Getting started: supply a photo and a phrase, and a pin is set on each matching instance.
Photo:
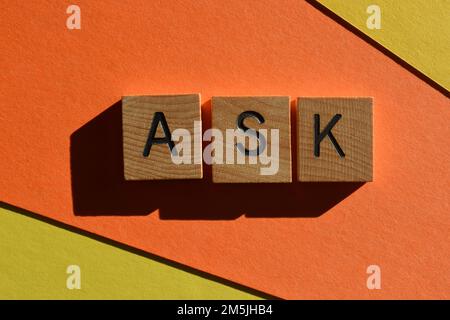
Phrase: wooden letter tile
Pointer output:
(334, 139)
(149, 123)
(262, 162)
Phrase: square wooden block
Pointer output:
(334, 139)
(148, 153)
(262, 162)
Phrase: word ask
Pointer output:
(250, 138)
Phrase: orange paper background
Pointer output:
(294, 240)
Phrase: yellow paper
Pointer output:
(416, 31)
(34, 257)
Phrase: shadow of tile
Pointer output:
(99, 188)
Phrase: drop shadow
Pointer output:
(99, 188)
(378, 46)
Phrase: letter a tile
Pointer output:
(162, 137)
(334, 139)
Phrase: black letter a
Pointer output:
(158, 117)
(318, 136)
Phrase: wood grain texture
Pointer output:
(137, 114)
(276, 112)
(353, 133)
